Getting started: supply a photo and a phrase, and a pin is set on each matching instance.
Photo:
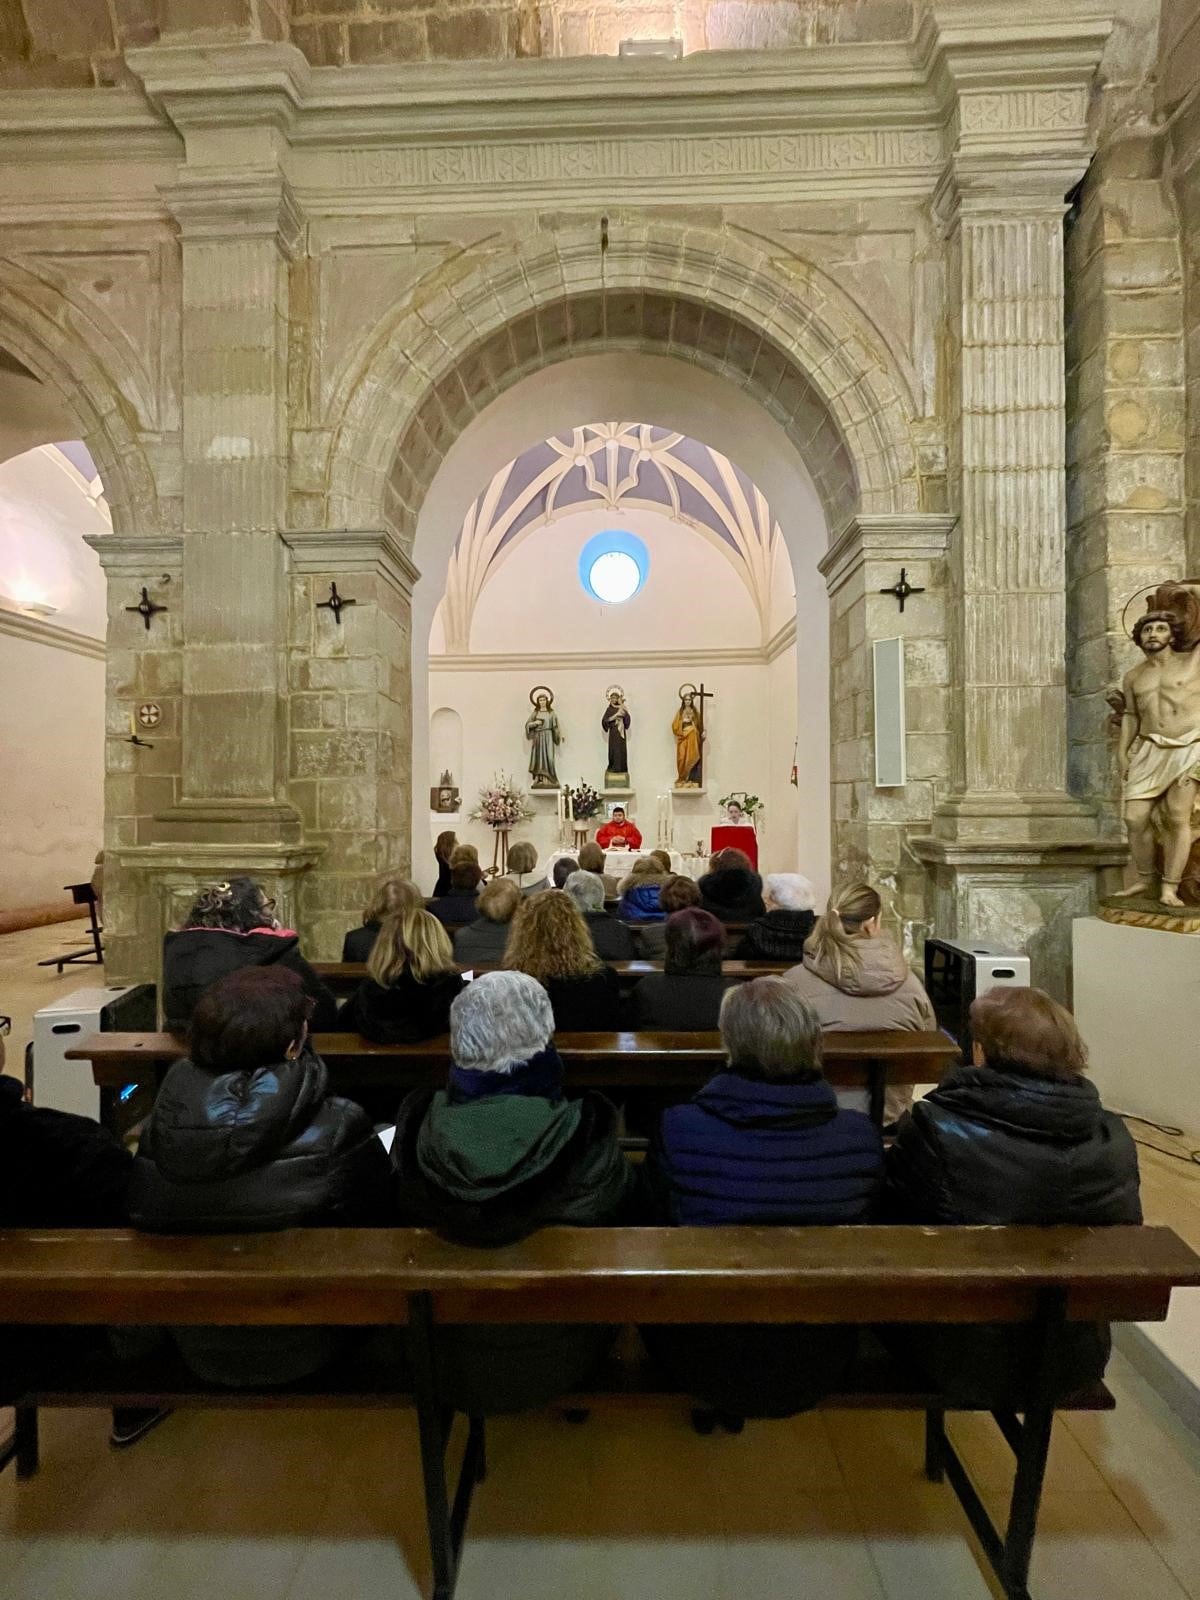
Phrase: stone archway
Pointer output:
(775, 333)
(777, 327)
(68, 347)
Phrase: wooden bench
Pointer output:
(343, 976)
(1043, 1277)
(617, 1063)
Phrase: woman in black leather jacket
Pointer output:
(244, 1137)
(1019, 1136)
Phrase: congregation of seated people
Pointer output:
(246, 1135)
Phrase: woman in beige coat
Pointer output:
(855, 976)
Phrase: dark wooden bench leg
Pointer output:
(1010, 1554)
(25, 1441)
(935, 1439)
(431, 1425)
(446, 1522)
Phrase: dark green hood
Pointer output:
(481, 1149)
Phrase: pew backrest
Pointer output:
(364, 1277)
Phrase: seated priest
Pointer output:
(618, 833)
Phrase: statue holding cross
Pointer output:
(688, 728)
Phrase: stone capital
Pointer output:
(993, 820)
(199, 85)
(332, 552)
(234, 206)
(903, 536)
(131, 552)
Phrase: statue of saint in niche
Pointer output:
(542, 729)
(688, 728)
(1159, 749)
(615, 723)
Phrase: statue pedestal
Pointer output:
(1135, 1003)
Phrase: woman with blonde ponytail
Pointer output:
(855, 976)
(410, 985)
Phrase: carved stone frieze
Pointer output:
(602, 160)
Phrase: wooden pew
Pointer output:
(1043, 1277)
(342, 976)
(617, 1063)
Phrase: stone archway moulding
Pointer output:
(72, 356)
(777, 326)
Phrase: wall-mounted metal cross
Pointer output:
(146, 608)
(903, 589)
(335, 603)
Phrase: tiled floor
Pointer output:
(310, 1506)
(320, 1506)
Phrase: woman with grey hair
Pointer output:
(779, 935)
(492, 1157)
(611, 940)
(764, 1142)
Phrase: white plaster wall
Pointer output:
(51, 770)
(693, 596)
(670, 393)
(44, 514)
(51, 699)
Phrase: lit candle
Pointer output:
(132, 727)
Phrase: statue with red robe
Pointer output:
(618, 833)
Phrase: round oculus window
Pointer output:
(613, 566)
(614, 577)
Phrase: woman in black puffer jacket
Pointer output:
(731, 889)
(245, 1137)
(1019, 1136)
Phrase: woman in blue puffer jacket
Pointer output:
(640, 892)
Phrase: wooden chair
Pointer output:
(93, 953)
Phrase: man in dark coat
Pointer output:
(497, 1154)
(58, 1170)
(461, 905)
(1019, 1136)
(764, 1142)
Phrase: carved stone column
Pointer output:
(1014, 853)
(239, 232)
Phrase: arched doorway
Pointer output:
(698, 332)
(702, 406)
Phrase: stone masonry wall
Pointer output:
(1125, 436)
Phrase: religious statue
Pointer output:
(615, 723)
(688, 728)
(1159, 747)
(619, 833)
(541, 728)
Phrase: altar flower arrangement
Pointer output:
(583, 803)
(501, 804)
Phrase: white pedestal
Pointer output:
(1137, 1003)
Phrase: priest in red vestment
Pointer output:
(618, 833)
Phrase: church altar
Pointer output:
(619, 863)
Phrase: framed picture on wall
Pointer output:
(443, 799)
